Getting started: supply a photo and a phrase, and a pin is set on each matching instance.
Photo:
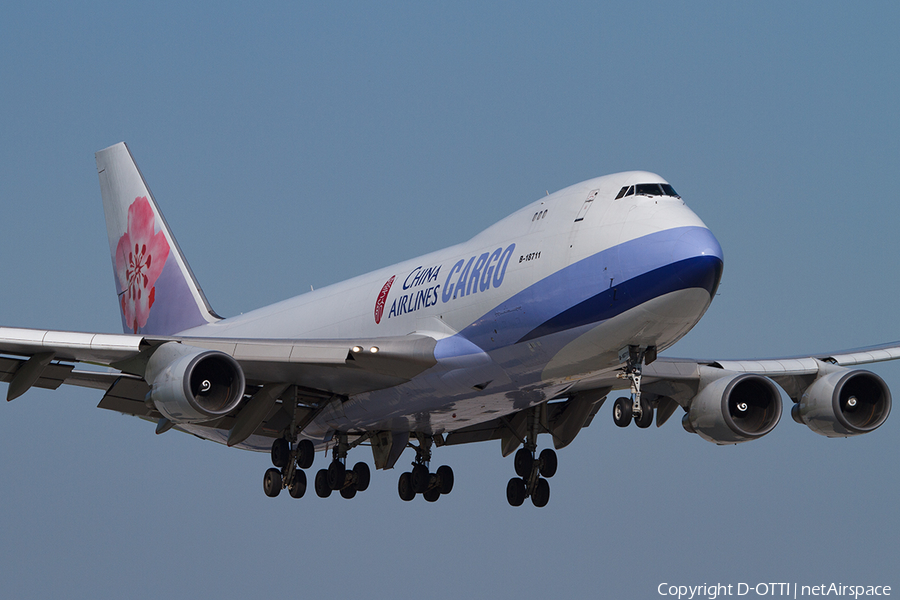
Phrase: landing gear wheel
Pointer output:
(523, 462)
(306, 452)
(323, 490)
(515, 491)
(548, 463)
(541, 495)
(348, 492)
(622, 410)
(272, 483)
(363, 476)
(404, 487)
(445, 476)
(336, 475)
(432, 495)
(646, 418)
(298, 484)
(420, 479)
(281, 453)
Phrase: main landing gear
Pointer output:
(289, 460)
(290, 463)
(291, 456)
(636, 407)
(531, 480)
(420, 480)
(532, 471)
(338, 478)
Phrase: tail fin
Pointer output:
(158, 294)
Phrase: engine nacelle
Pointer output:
(192, 385)
(735, 408)
(844, 403)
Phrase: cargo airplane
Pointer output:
(523, 330)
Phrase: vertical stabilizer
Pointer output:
(158, 294)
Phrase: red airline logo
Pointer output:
(382, 299)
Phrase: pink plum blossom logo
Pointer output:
(382, 299)
(140, 257)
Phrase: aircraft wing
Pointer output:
(786, 371)
(324, 368)
(328, 368)
(830, 395)
(792, 373)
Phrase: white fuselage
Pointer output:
(537, 301)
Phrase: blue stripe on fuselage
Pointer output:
(602, 286)
(699, 272)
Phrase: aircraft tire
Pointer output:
(622, 412)
(541, 495)
(646, 418)
(523, 462)
(363, 476)
(445, 476)
(306, 454)
(432, 495)
(549, 463)
(516, 491)
(281, 453)
(337, 474)
(297, 488)
(404, 487)
(272, 482)
(321, 484)
(348, 492)
(420, 479)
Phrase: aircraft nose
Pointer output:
(699, 255)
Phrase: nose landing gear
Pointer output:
(637, 408)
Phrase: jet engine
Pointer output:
(192, 385)
(734, 408)
(844, 403)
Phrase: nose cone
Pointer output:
(699, 257)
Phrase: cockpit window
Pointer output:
(648, 189)
(669, 190)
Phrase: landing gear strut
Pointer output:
(637, 408)
(532, 471)
(420, 480)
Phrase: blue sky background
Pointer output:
(292, 144)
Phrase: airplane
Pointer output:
(523, 330)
